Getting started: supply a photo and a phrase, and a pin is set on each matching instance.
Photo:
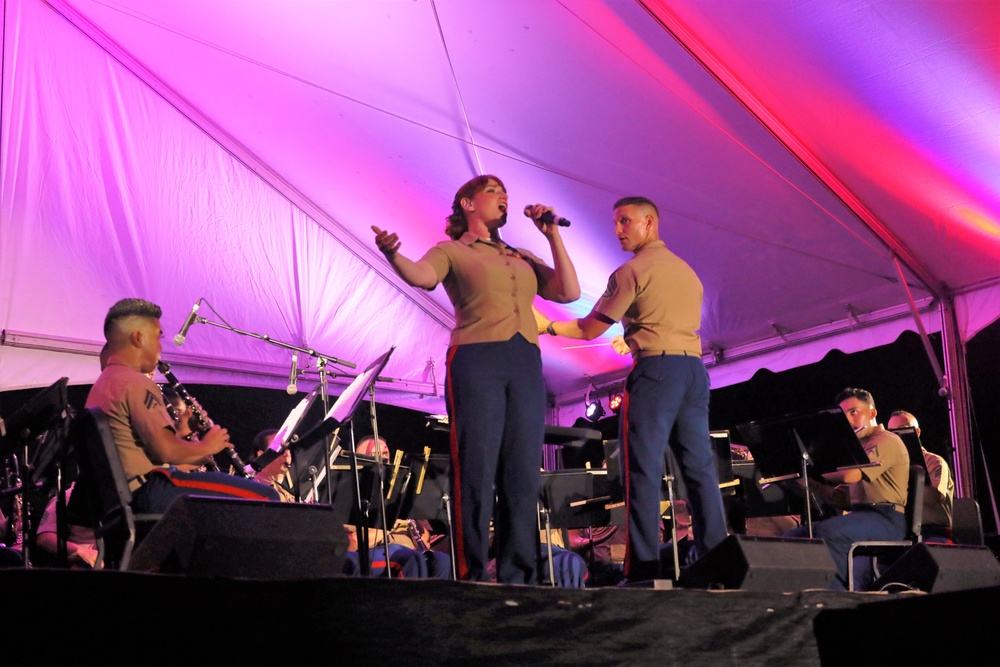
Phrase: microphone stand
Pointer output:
(364, 560)
(322, 361)
(267, 339)
(379, 476)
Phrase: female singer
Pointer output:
(494, 387)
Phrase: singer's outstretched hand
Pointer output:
(387, 243)
(417, 274)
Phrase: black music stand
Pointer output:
(342, 412)
(46, 410)
(306, 467)
(915, 449)
(424, 493)
(575, 499)
(307, 429)
(343, 497)
(613, 464)
(577, 445)
(578, 498)
(795, 446)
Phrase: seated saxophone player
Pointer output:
(146, 437)
(410, 553)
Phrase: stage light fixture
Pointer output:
(595, 410)
(615, 402)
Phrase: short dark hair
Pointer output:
(910, 419)
(853, 392)
(260, 441)
(126, 308)
(637, 201)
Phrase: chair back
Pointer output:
(101, 497)
(915, 503)
(967, 522)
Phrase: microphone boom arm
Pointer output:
(278, 343)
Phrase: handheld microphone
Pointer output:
(191, 318)
(548, 218)
(293, 375)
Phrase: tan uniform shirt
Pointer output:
(939, 495)
(134, 406)
(491, 285)
(886, 482)
(657, 297)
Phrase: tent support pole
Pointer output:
(953, 385)
(958, 399)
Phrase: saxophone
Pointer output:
(418, 539)
(12, 534)
(202, 422)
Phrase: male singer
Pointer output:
(657, 297)
(143, 431)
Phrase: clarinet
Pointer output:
(209, 462)
(203, 422)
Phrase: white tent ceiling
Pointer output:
(239, 151)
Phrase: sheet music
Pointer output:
(342, 411)
(345, 405)
(291, 421)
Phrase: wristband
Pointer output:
(549, 330)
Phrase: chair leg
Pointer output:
(850, 570)
(102, 552)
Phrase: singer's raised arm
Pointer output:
(563, 285)
(560, 284)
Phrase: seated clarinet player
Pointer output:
(146, 436)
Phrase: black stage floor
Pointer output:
(105, 614)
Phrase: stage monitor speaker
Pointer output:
(762, 564)
(252, 539)
(935, 568)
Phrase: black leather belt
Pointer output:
(642, 354)
(871, 506)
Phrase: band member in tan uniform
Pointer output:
(657, 297)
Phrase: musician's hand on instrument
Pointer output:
(387, 243)
(216, 439)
